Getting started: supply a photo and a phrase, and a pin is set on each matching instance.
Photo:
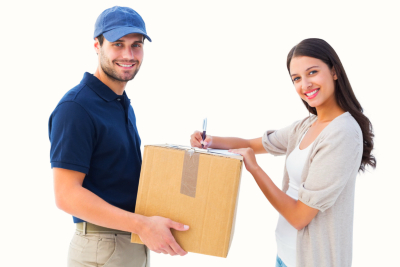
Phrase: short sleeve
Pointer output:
(276, 142)
(335, 161)
(71, 133)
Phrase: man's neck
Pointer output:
(116, 86)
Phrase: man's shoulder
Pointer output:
(81, 94)
(75, 101)
(75, 94)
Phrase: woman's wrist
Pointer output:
(209, 141)
(256, 170)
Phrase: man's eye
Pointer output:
(136, 45)
(118, 45)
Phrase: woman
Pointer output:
(324, 153)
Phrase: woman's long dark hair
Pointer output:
(318, 48)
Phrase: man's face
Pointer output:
(121, 60)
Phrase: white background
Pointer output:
(224, 60)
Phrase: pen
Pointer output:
(204, 131)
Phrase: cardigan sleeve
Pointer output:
(335, 160)
(276, 142)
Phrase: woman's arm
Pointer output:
(196, 140)
(295, 212)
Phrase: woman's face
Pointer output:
(313, 80)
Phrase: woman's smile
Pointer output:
(312, 93)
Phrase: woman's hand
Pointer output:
(196, 140)
(249, 158)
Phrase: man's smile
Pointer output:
(126, 66)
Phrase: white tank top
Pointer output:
(286, 234)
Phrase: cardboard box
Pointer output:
(193, 187)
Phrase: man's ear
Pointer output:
(334, 74)
(97, 46)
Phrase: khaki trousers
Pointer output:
(97, 249)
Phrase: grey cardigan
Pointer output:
(327, 184)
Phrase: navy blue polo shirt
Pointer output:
(93, 130)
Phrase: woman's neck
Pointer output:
(329, 111)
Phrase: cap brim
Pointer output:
(115, 34)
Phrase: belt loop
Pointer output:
(84, 228)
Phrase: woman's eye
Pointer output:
(295, 79)
(312, 72)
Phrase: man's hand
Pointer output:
(156, 235)
(196, 140)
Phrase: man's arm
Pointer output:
(72, 198)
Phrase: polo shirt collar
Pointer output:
(100, 88)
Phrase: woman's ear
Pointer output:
(334, 74)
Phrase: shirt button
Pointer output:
(119, 99)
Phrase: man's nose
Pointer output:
(128, 53)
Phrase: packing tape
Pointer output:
(189, 173)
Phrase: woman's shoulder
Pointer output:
(343, 126)
(345, 123)
(301, 125)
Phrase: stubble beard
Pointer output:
(111, 72)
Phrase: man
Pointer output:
(95, 154)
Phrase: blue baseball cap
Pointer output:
(117, 22)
